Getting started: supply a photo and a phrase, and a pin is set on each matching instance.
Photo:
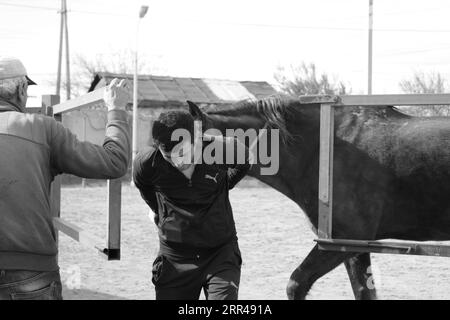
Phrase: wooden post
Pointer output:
(83, 180)
(326, 171)
(48, 101)
(114, 218)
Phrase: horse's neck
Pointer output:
(297, 177)
(276, 181)
(292, 177)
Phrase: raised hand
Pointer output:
(117, 94)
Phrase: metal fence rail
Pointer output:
(325, 233)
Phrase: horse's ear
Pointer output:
(195, 111)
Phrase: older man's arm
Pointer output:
(88, 160)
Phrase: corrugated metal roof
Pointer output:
(208, 91)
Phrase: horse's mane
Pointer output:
(274, 110)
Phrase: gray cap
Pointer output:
(13, 68)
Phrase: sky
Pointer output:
(237, 39)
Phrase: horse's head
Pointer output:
(262, 125)
(236, 116)
(199, 115)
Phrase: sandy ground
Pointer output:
(274, 237)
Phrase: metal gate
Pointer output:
(109, 248)
(325, 233)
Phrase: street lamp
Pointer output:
(142, 12)
(369, 66)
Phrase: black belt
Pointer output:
(177, 250)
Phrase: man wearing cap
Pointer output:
(33, 150)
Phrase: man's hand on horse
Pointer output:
(117, 94)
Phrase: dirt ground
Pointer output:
(274, 237)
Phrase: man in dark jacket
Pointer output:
(198, 241)
(33, 150)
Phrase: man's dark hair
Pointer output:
(167, 123)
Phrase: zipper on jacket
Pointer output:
(190, 183)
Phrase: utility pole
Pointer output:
(63, 38)
(61, 29)
(369, 67)
(67, 52)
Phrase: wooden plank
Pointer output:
(394, 100)
(112, 251)
(326, 171)
(88, 100)
(114, 218)
(319, 99)
(381, 246)
(78, 234)
(55, 197)
(48, 101)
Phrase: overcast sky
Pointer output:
(238, 39)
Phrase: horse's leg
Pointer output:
(361, 277)
(315, 265)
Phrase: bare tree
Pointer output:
(304, 80)
(425, 83)
(84, 69)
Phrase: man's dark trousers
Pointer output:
(180, 274)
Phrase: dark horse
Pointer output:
(391, 176)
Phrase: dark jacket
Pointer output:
(33, 150)
(196, 212)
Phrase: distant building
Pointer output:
(157, 93)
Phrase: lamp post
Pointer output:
(142, 12)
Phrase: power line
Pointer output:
(126, 15)
(8, 4)
(286, 26)
(402, 52)
(383, 14)
(101, 13)
(259, 25)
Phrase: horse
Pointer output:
(391, 176)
